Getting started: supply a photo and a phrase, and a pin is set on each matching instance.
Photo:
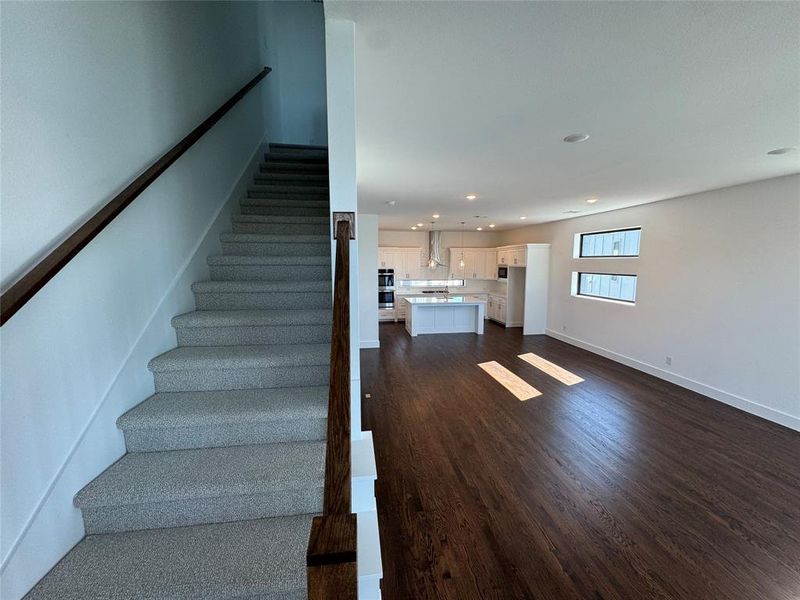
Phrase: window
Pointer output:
(611, 286)
(609, 244)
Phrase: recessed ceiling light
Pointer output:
(591, 201)
(479, 228)
(576, 137)
(435, 216)
(420, 225)
(492, 225)
(780, 151)
(391, 202)
(522, 218)
(414, 227)
(471, 196)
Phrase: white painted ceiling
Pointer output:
(475, 97)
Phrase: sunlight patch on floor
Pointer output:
(508, 380)
(551, 369)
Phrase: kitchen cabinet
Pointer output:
(456, 271)
(496, 309)
(406, 262)
(512, 256)
(479, 263)
(490, 264)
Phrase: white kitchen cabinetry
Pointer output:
(490, 264)
(496, 309)
(456, 271)
(512, 256)
(406, 262)
(479, 263)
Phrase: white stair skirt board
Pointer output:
(551, 369)
(364, 474)
(368, 546)
(517, 386)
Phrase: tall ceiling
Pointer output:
(455, 98)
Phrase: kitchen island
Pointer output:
(444, 314)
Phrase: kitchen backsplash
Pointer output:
(472, 285)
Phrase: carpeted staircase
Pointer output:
(225, 461)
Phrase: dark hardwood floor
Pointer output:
(623, 486)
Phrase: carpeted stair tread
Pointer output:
(263, 558)
(273, 238)
(276, 219)
(186, 358)
(255, 287)
(262, 260)
(283, 202)
(300, 178)
(193, 409)
(307, 157)
(252, 318)
(279, 146)
(279, 166)
(148, 477)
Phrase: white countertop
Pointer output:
(461, 300)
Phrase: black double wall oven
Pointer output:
(385, 288)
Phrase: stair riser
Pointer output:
(270, 273)
(278, 196)
(297, 157)
(275, 249)
(196, 511)
(293, 168)
(252, 335)
(299, 180)
(282, 228)
(284, 202)
(195, 380)
(261, 300)
(288, 188)
(289, 211)
(280, 219)
(296, 178)
(217, 436)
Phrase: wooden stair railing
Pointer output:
(37, 277)
(331, 557)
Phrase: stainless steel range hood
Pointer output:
(435, 249)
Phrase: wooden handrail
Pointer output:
(36, 278)
(331, 557)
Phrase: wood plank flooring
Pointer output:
(621, 486)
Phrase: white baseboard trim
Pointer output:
(370, 343)
(765, 412)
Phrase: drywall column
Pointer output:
(340, 59)
(367, 279)
(340, 63)
(537, 276)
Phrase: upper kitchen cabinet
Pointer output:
(512, 256)
(479, 263)
(406, 262)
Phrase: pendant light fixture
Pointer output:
(461, 263)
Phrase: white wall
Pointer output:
(92, 93)
(718, 291)
(295, 39)
(368, 279)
